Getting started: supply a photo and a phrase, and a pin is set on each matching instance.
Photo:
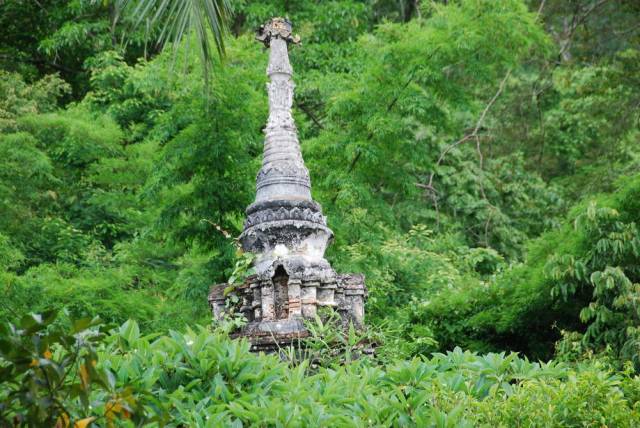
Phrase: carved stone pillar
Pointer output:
(295, 308)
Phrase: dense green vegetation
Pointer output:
(477, 160)
(200, 378)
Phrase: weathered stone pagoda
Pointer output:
(285, 228)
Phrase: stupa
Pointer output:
(285, 228)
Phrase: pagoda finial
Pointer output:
(277, 27)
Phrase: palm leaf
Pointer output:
(178, 19)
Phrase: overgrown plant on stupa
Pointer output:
(285, 229)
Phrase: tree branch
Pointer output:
(473, 135)
(309, 113)
(393, 102)
(578, 19)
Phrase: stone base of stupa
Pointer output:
(276, 309)
(273, 336)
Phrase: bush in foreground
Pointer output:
(202, 378)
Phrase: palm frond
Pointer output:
(178, 19)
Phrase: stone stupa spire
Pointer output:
(283, 175)
(285, 228)
(284, 222)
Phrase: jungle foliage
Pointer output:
(477, 160)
